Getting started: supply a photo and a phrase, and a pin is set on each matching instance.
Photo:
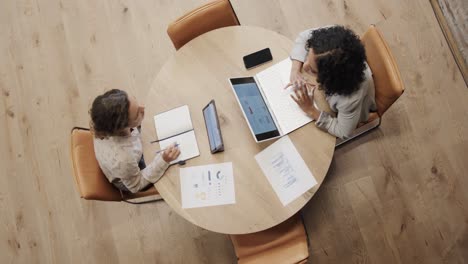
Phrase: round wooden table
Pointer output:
(194, 75)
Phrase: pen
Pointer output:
(157, 140)
(159, 151)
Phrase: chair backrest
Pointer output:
(284, 243)
(213, 15)
(387, 80)
(91, 181)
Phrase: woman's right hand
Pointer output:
(296, 67)
(295, 79)
(171, 153)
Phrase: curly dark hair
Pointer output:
(340, 59)
(109, 113)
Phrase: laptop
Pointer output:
(267, 107)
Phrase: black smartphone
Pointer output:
(212, 127)
(257, 58)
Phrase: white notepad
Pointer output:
(175, 125)
(272, 82)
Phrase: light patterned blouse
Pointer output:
(118, 157)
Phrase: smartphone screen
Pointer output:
(257, 58)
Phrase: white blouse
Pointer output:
(118, 157)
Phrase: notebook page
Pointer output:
(187, 144)
(173, 122)
(272, 81)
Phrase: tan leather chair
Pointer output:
(285, 243)
(91, 181)
(387, 80)
(215, 14)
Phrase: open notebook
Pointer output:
(175, 125)
(268, 108)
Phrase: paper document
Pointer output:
(272, 81)
(207, 185)
(285, 170)
(175, 126)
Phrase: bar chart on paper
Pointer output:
(285, 170)
(207, 185)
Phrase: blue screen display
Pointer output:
(254, 108)
(214, 135)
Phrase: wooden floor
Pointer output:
(397, 195)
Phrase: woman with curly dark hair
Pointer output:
(115, 122)
(336, 56)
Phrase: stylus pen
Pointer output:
(154, 141)
(159, 151)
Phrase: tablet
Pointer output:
(212, 127)
(254, 108)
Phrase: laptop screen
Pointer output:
(254, 107)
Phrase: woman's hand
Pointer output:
(304, 97)
(296, 79)
(171, 153)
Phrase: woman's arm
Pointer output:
(346, 121)
(299, 51)
(295, 74)
(135, 179)
(298, 56)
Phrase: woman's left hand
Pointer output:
(304, 97)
